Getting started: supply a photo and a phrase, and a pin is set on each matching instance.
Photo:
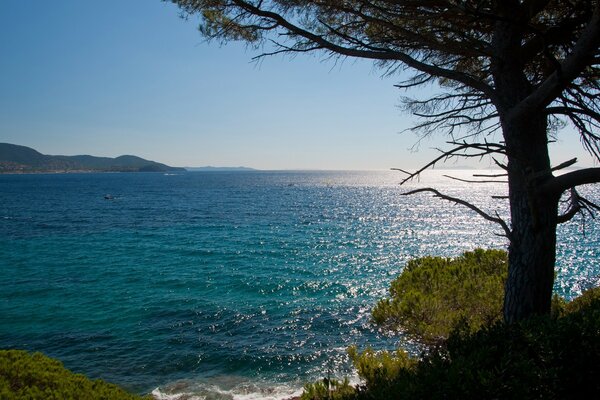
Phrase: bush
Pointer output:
(550, 357)
(454, 307)
(433, 295)
(35, 376)
(584, 302)
(328, 389)
(540, 358)
(380, 368)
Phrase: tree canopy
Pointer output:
(34, 376)
(513, 72)
(458, 43)
(433, 295)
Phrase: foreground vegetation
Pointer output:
(36, 377)
(435, 294)
(454, 307)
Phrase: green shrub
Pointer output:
(433, 295)
(454, 307)
(328, 389)
(541, 358)
(35, 376)
(380, 368)
(586, 301)
(549, 357)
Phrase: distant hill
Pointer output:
(14, 158)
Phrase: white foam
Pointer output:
(226, 388)
(158, 395)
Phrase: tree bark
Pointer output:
(532, 249)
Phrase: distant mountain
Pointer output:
(219, 169)
(14, 158)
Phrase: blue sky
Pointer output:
(119, 77)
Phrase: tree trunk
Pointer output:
(532, 250)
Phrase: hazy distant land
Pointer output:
(21, 159)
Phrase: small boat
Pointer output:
(108, 197)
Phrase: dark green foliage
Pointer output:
(434, 294)
(548, 357)
(539, 358)
(35, 376)
(378, 369)
(328, 389)
(586, 300)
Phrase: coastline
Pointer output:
(227, 388)
(83, 171)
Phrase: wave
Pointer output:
(227, 387)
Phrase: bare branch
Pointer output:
(566, 164)
(485, 148)
(582, 53)
(401, 170)
(285, 49)
(472, 181)
(482, 213)
(371, 52)
(416, 81)
(574, 208)
(577, 204)
(489, 175)
(557, 185)
(569, 111)
(498, 163)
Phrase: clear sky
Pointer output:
(117, 77)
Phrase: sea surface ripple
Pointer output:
(229, 284)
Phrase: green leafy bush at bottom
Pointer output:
(551, 357)
(540, 358)
(433, 295)
(328, 389)
(35, 376)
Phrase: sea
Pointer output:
(232, 285)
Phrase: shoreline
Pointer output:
(222, 389)
(62, 172)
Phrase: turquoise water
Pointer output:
(228, 285)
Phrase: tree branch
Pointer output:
(576, 205)
(401, 170)
(472, 181)
(482, 213)
(564, 165)
(485, 148)
(378, 54)
(574, 208)
(489, 175)
(557, 185)
(572, 110)
(585, 49)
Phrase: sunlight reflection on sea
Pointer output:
(246, 283)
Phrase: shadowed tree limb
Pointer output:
(566, 164)
(372, 52)
(472, 181)
(401, 170)
(458, 151)
(559, 184)
(576, 205)
(578, 60)
(479, 211)
(489, 175)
